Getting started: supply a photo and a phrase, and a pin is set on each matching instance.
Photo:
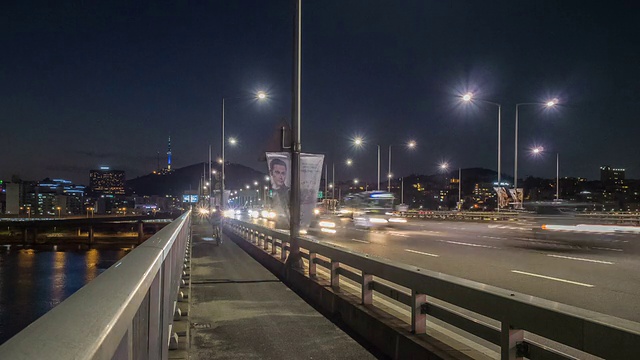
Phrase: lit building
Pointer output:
(106, 181)
(49, 197)
(613, 180)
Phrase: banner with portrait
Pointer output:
(517, 195)
(503, 196)
(279, 164)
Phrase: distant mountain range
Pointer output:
(189, 177)
(238, 176)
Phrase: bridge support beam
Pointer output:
(418, 318)
(511, 341)
(91, 235)
(140, 232)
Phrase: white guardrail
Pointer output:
(125, 313)
(520, 325)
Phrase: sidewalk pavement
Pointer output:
(240, 310)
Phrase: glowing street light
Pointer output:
(444, 166)
(233, 141)
(261, 95)
(255, 183)
(358, 142)
(59, 209)
(538, 151)
(349, 162)
(411, 144)
(468, 97)
(548, 104)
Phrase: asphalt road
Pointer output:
(598, 272)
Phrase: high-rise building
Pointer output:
(169, 155)
(105, 181)
(613, 179)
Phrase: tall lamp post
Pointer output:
(261, 95)
(468, 97)
(359, 142)
(548, 104)
(538, 151)
(444, 167)
(347, 162)
(411, 144)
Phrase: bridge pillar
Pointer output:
(418, 317)
(35, 235)
(511, 340)
(25, 236)
(140, 232)
(91, 234)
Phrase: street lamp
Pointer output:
(359, 142)
(261, 95)
(468, 97)
(538, 151)
(411, 144)
(59, 209)
(548, 104)
(445, 166)
(348, 162)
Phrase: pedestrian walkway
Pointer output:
(240, 310)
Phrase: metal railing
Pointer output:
(500, 317)
(463, 215)
(125, 313)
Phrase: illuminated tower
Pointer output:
(169, 155)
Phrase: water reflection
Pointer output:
(32, 282)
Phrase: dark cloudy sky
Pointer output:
(85, 84)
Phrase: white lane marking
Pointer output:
(493, 237)
(609, 249)
(398, 234)
(469, 244)
(552, 278)
(362, 241)
(581, 259)
(431, 232)
(508, 227)
(421, 253)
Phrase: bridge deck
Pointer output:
(239, 310)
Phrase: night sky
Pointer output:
(85, 84)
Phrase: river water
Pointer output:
(33, 282)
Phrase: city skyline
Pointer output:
(92, 85)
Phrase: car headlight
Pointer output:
(316, 211)
(238, 212)
(272, 214)
(378, 220)
(327, 224)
